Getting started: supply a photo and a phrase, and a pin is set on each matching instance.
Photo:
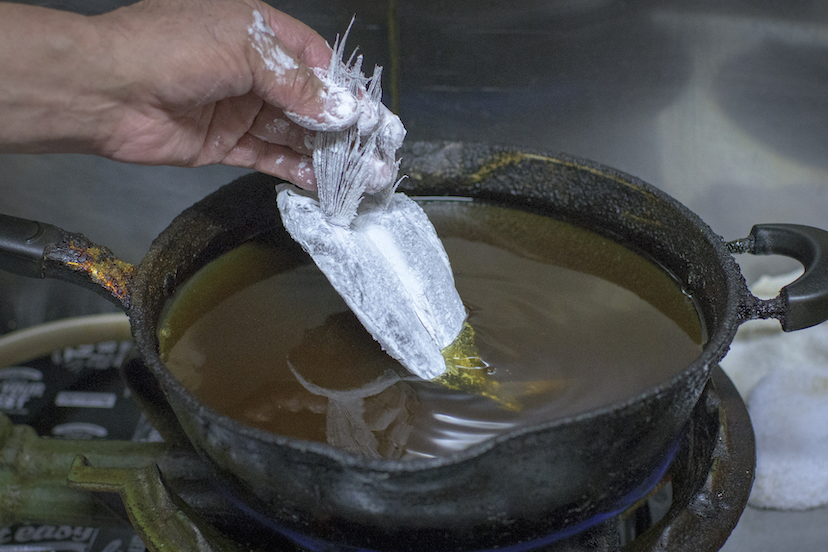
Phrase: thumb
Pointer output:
(282, 80)
(332, 108)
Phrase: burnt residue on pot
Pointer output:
(76, 259)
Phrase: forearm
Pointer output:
(50, 71)
(169, 82)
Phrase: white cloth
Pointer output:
(784, 377)
(789, 411)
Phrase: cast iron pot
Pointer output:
(521, 487)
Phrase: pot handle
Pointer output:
(39, 250)
(804, 302)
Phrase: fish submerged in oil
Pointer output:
(561, 321)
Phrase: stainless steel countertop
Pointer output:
(723, 105)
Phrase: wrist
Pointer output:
(50, 81)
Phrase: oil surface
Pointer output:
(564, 320)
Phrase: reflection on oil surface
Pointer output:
(564, 321)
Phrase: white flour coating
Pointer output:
(388, 134)
(304, 170)
(278, 126)
(359, 160)
(347, 108)
(392, 271)
(369, 116)
(340, 107)
(391, 132)
(304, 167)
(378, 173)
(263, 39)
(340, 110)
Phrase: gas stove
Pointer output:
(84, 470)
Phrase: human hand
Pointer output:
(171, 82)
(221, 81)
